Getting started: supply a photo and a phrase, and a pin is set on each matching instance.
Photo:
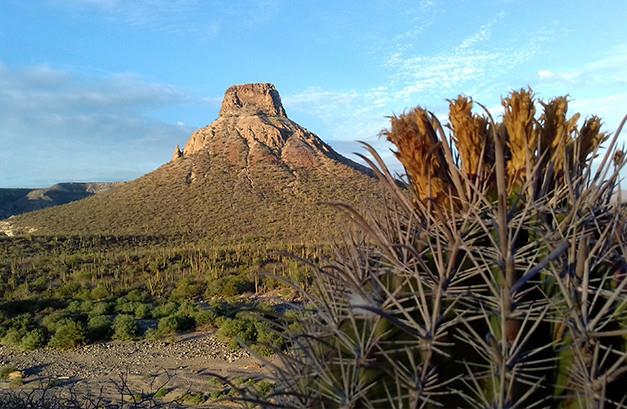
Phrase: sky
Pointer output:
(103, 90)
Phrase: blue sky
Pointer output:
(101, 90)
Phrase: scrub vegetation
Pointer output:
(495, 277)
(64, 292)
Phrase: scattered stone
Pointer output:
(15, 376)
(188, 353)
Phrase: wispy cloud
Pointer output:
(197, 17)
(608, 70)
(41, 89)
(601, 84)
(475, 64)
(611, 108)
(172, 16)
(54, 119)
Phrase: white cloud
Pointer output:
(480, 65)
(58, 126)
(597, 87)
(482, 35)
(42, 89)
(607, 70)
(474, 65)
(545, 74)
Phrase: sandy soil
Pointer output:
(183, 364)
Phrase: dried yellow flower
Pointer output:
(471, 136)
(556, 132)
(521, 131)
(590, 137)
(420, 152)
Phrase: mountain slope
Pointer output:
(17, 201)
(253, 174)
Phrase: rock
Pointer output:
(178, 153)
(252, 99)
(15, 376)
(253, 130)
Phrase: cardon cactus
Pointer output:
(497, 277)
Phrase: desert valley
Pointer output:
(431, 214)
(188, 248)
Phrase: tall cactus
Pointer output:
(496, 279)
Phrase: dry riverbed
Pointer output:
(184, 362)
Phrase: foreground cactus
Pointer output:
(497, 280)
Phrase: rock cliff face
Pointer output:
(253, 122)
(252, 99)
(253, 174)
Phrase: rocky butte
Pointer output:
(253, 175)
(253, 122)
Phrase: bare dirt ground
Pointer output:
(184, 363)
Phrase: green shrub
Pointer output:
(52, 320)
(99, 292)
(217, 388)
(187, 289)
(194, 398)
(268, 340)
(40, 284)
(99, 327)
(168, 325)
(68, 290)
(264, 387)
(204, 317)
(68, 334)
(142, 311)
(292, 319)
(160, 393)
(79, 307)
(164, 310)
(186, 308)
(101, 308)
(230, 285)
(6, 370)
(122, 306)
(152, 334)
(33, 340)
(221, 308)
(136, 296)
(83, 294)
(13, 337)
(22, 321)
(124, 327)
(236, 330)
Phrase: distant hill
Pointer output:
(252, 175)
(18, 201)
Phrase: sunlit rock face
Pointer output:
(252, 99)
(253, 127)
